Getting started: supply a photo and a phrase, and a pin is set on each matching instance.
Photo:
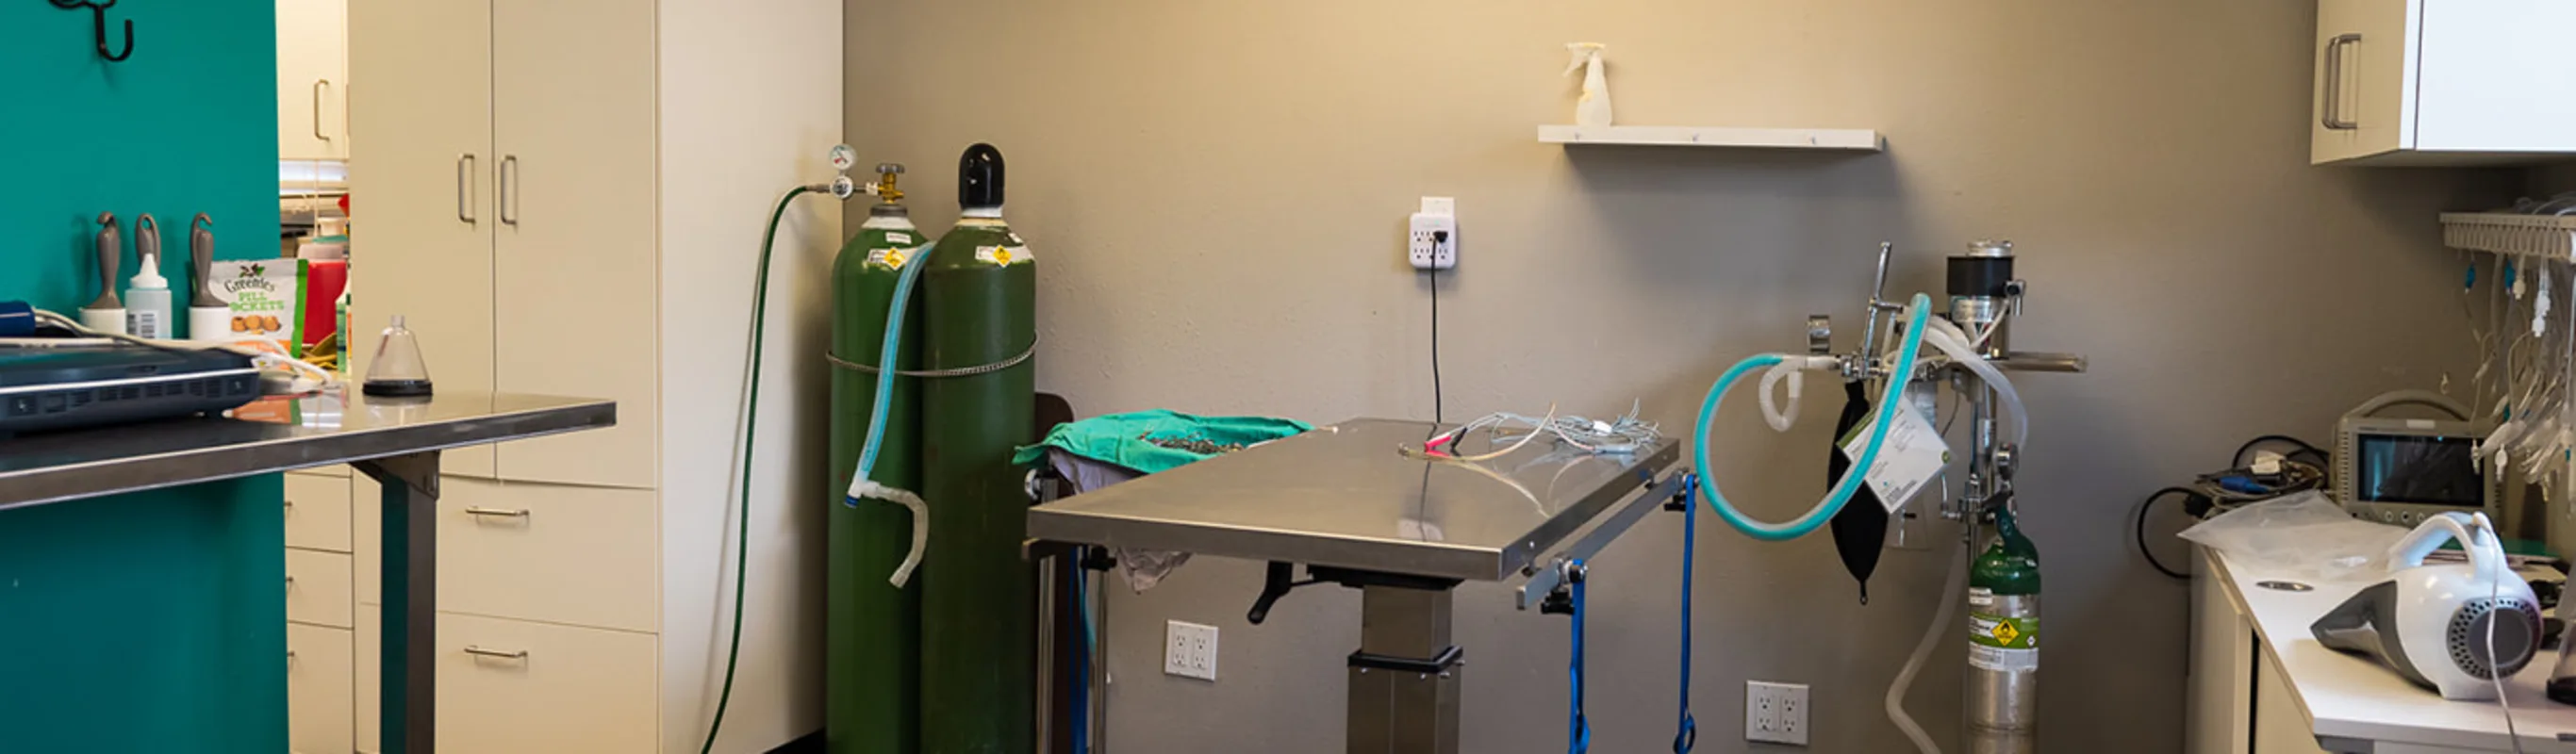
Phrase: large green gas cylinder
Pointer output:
(979, 293)
(872, 642)
(2003, 643)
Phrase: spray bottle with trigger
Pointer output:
(1594, 108)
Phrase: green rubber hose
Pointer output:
(750, 427)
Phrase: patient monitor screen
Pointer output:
(2417, 469)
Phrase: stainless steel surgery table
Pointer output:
(395, 441)
(1341, 501)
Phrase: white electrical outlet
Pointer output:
(1432, 243)
(1775, 712)
(1189, 650)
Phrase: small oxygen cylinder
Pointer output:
(872, 642)
(2003, 643)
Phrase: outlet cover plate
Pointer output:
(1775, 712)
(1189, 650)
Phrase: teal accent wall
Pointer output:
(153, 621)
(147, 622)
(188, 124)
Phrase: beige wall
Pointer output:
(1217, 191)
(749, 109)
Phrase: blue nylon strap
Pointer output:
(1578, 731)
(1081, 653)
(1686, 736)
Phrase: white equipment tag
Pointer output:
(1910, 457)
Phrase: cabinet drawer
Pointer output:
(319, 677)
(561, 554)
(317, 512)
(509, 686)
(317, 588)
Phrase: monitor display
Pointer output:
(2418, 469)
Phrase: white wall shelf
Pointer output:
(2552, 236)
(1842, 139)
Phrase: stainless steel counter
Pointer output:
(395, 441)
(284, 435)
(1340, 496)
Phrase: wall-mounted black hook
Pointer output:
(98, 26)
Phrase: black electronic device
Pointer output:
(49, 388)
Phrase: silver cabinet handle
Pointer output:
(2332, 118)
(495, 653)
(509, 197)
(465, 188)
(522, 513)
(318, 86)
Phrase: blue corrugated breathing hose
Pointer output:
(886, 370)
(1918, 313)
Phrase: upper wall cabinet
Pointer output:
(2444, 82)
(313, 79)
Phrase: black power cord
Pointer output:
(2304, 449)
(1438, 237)
(2149, 504)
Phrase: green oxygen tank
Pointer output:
(2003, 643)
(978, 690)
(872, 643)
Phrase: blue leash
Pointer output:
(1578, 730)
(1081, 659)
(1687, 736)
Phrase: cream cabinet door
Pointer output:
(367, 711)
(312, 79)
(2220, 716)
(319, 677)
(420, 173)
(2494, 77)
(2280, 727)
(573, 119)
(2365, 78)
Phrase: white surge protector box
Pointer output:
(1432, 243)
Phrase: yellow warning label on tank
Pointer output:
(2006, 633)
(888, 258)
(1004, 256)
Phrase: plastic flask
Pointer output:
(397, 371)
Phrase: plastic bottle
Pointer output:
(147, 299)
(1594, 108)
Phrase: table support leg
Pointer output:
(1404, 678)
(409, 638)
